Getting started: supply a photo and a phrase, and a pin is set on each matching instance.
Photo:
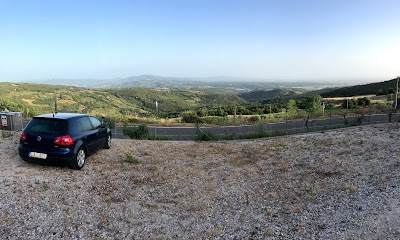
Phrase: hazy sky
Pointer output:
(272, 39)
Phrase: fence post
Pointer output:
(286, 122)
(369, 117)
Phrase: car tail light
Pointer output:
(63, 140)
(23, 136)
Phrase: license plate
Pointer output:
(37, 155)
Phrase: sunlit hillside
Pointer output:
(40, 98)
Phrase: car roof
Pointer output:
(61, 115)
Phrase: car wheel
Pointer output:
(108, 142)
(79, 159)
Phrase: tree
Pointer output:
(231, 109)
(349, 103)
(220, 112)
(291, 107)
(271, 108)
(313, 104)
(364, 102)
(202, 112)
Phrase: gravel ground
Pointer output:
(341, 184)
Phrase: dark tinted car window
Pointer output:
(96, 123)
(78, 125)
(85, 123)
(51, 126)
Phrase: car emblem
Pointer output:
(39, 139)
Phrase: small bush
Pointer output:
(253, 135)
(206, 136)
(210, 136)
(356, 122)
(128, 131)
(131, 159)
(254, 119)
(139, 132)
(190, 117)
(109, 121)
(6, 134)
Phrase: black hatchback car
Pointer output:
(63, 137)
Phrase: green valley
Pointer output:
(33, 99)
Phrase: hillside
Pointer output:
(261, 95)
(378, 88)
(39, 98)
(235, 84)
(174, 101)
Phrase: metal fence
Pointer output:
(273, 128)
(268, 128)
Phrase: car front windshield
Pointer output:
(50, 126)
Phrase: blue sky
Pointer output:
(276, 39)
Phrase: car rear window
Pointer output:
(50, 126)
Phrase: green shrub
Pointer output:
(205, 136)
(109, 121)
(355, 122)
(136, 132)
(190, 117)
(358, 120)
(131, 159)
(210, 136)
(6, 134)
(254, 119)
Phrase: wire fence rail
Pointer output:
(266, 129)
(287, 127)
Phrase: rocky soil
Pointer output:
(340, 184)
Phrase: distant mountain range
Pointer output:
(378, 88)
(150, 81)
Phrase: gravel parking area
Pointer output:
(340, 184)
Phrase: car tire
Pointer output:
(108, 142)
(79, 159)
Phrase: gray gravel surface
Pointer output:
(341, 184)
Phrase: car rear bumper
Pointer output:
(62, 155)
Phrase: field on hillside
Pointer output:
(381, 99)
(341, 184)
(36, 99)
